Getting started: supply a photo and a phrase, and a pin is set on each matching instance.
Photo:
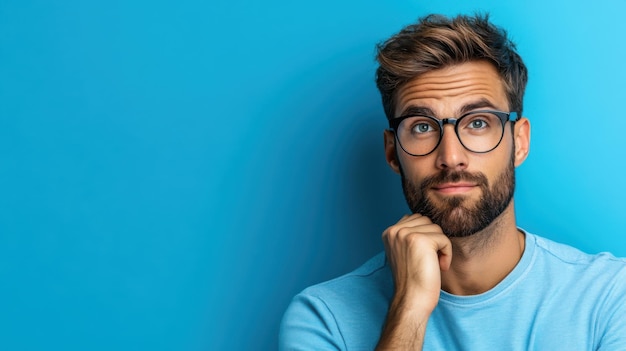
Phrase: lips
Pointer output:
(459, 187)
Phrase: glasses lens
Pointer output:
(418, 135)
(480, 132)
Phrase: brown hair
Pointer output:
(435, 42)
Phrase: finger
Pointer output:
(444, 261)
(444, 252)
(434, 242)
(421, 225)
(409, 221)
(427, 228)
(415, 218)
(408, 217)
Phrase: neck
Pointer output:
(482, 260)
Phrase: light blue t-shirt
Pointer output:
(556, 298)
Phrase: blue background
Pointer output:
(173, 172)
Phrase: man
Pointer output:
(458, 274)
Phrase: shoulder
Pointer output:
(345, 312)
(596, 285)
(600, 275)
(569, 255)
(584, 291)
(370, 275)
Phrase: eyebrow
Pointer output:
(425, 111)
(480, 104)
(416, 110)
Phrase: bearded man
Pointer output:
(458, 273)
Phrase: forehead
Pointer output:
(450, 90)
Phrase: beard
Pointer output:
(457, 215)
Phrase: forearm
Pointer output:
(404, 327)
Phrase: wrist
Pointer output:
(415, 302)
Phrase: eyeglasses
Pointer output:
(478, 131)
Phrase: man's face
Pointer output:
(461, 191)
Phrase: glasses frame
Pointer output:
(503, 116)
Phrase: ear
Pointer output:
(522, 140)
(390, 151)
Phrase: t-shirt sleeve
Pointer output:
(308, 324)
(613, 336)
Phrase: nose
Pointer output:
(451, 154)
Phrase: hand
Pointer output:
(417, 251)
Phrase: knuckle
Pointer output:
(415, 241)
(436, 228)
(390, 231)
(405, 232)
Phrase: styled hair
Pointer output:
(435, 42)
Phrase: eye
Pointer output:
(478, 123)
(422, 127)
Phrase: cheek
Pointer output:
(493, 163)
(417, 168)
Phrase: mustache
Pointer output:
(452, 177)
